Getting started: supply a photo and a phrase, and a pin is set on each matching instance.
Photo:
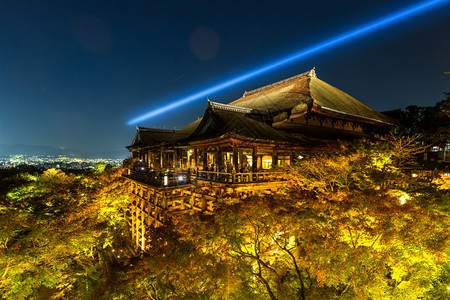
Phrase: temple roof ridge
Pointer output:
(227, 107)
(310, 73)
(140, 128)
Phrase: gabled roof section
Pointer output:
(297, 95)
(190, 128)
(221, 119)
(329, 98)
(280, 96)
(147, 137)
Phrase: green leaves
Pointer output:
(53, 230)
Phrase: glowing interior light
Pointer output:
(334, 41)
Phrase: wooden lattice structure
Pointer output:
(152, 207)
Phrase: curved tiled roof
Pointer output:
(145, 137)
(330, 98)
(299, 93)
(220, 119)
(251, 116)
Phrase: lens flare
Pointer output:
(334, 41)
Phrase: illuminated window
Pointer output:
(284, 160)
(249, 160)
(266, 162)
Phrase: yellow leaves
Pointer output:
(401, 196)
(443, 181)
(3, 278)
(291, 241)
(55, 176)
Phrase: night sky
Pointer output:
(73, 74)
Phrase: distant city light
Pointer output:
(334, 41)
(51, 161)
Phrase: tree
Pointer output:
(57, 233)
(351, 225)
(404, 149)
(432, 123)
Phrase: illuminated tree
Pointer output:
(56, 233)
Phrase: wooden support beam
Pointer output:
(175, 158)
(205, 158)
(274, 158)
(235, 159)
(161, 157)
(255, 160)
(196, 158)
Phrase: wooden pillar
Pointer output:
(143, 218)
(235, 159)
(254, 159)
(241, 160)
(183, 151)
(153, 164)
(274, 158)
(138, 212)
(205, 159)
(219, 160)
(196, 158)
(133, 217)
(175, 158)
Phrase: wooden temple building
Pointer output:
(233, 150)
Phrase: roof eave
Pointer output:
(336, 113)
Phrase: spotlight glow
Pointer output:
(334, 41)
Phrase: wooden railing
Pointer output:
(170, 178)
(161, 178)
(233, 177)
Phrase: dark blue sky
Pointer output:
(73, 74)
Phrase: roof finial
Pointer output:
(312, 72)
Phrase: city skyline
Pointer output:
(73, 74)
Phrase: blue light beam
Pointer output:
(334, 41)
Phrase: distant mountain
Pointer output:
(31, 150)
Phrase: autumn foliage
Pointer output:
(56, 233)
(350, 224)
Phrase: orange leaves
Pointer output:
(443, 182)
